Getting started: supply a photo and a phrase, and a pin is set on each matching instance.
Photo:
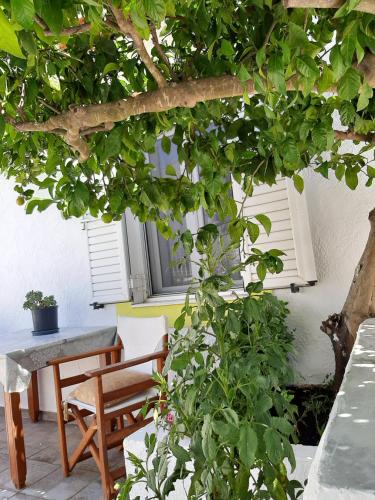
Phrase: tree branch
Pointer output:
(363, 6)
(353, 136)
(73, 30)
(127, 28)
(84, 120)
(157, 46)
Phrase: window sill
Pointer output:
(178, 299)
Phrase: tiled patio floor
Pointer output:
(44, 474)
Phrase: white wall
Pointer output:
(339, 226)
(44, 252)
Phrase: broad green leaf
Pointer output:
(226, 48)
(273, 443)
(253, 230)
(351, 178)
(243, 74)
(298, 182)
(365, 95)
(110, 67)
(54, 82)
(170, 170)
(8, 39)
(51, 12)
(307, 67)
(2, 126)
(261, 270)
(24, 12)
(247, 444)
(349, 84)
(337, 62)
(265, 221)
(276, 72)
(166, 144)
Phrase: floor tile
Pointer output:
(35, 471)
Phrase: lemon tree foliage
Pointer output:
(248, 87)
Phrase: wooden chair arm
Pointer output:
(75, 357)
(127, 364)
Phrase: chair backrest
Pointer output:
(142, 336)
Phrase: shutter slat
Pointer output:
(107, 259)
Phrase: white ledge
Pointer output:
(344, 464)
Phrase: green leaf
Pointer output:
(243, 74)
(265, 221)
(226, 48)
(273, 445)
(24, 12)
(347, 113)
(51, 12)
(298, 182)
(261, 270)
(364, 96)
(337, 62)
(276, 72)
(54, 82)
(260, 57)
(247, 444)
(349, 84)
(180, 322)
(340, 171)
(113, 143)
(351, 178)
(110, 67)
(40, 204)
(253, 230)
(166, 144)
(8, 39)
(307, 67)
(170, 170)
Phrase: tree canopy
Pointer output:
(250, 88)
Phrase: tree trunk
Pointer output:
(359, 305)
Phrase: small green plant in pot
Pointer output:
(44, 312)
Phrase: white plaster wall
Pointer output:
(339, 226)
(44, 252)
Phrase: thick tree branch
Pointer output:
(353, 136)
(83, 120)
(363, 6)
(127, 28)
(73, 30)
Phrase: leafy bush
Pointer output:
(35, 300)
(227, 397)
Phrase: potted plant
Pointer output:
(44, 312)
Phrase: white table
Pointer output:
(21, 356)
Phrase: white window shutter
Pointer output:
(107, 260)
(290, 232)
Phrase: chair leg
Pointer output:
(102, 442)
(61, 422)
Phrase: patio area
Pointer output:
(45, 478)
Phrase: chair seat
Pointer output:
(145, 395)
(85, 392)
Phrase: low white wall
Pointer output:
(43, 252)
(343, 466)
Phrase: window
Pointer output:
(130, 260)
(166, 276)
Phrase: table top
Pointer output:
(25, 341)
(21, 353)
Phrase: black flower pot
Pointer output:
(45, 320)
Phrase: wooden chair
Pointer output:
(114, 394)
